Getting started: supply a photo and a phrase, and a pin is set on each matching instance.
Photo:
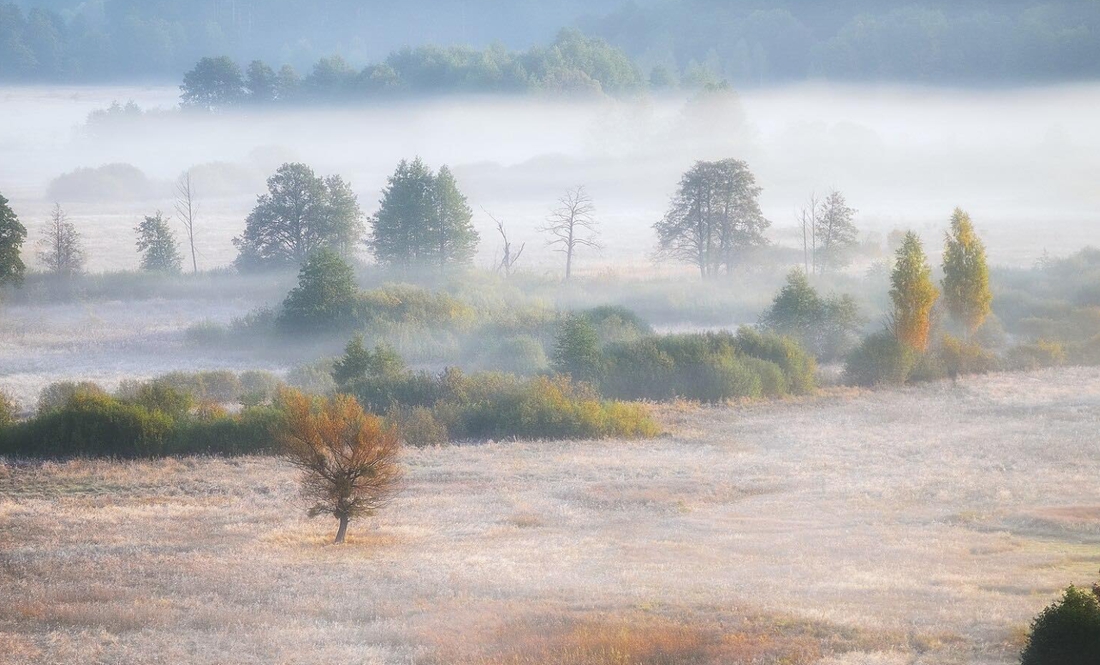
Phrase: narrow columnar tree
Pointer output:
(714, 217)
(913, 294)
(12, 235)
(60, 249)
(157, 245)
(348, 458)
(965, 274)
(836, 235)
(572, 225)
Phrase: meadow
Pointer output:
(923, 524)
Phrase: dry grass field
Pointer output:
(921, 525)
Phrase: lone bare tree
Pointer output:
(348, 457)
(571, 225)
(508, 261)
(187, 209)
(60, 248)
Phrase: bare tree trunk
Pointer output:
(569, 253)
(186, 209)
(343, 530)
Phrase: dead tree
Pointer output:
(187, 209)
(508, 261)
(571, 225)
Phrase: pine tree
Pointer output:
(965, 274)
(913, 294)
(157, 245)
(12, 235)
(456, 238)
(60, 249)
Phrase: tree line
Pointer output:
(689, 42)
(573, 63)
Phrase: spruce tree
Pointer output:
(965, 274)
(913, 294)
(456, 238)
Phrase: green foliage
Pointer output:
(56, 395)
(714, 218)
(213, 83)
(157, 245)
(358, 363)
(325, 297)
(404, 303)
(12, 235)
(423, 220)
(300, 214)
(836, 234)
(709, 367)
(965, 274)
(826, 327)
(880, 359)
(963, 357)
(913, 294)
(1036, 355)
(149, 420)
(1067, 632)
(615, 323)
(577, 350)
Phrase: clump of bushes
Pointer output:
(880, 359)
(1036, 355)
(1067, 632)
(454, 405)
(710, 367)
(827, 327)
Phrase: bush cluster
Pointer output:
(709, 367)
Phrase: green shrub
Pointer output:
(614, 323)
(418, 426)
(91, 424)
(577, 350)
(519, 354)
(709, 367)
(405, 303)
(1067, 632)
(325, 298)
(161, 398)
(880, 359)
(58, 394)
(1037, 355)
(961, 357)
(827, 327)
(258, 387)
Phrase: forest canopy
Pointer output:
(673, 42)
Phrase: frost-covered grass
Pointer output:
(921, 525)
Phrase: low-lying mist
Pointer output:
(1019, 160)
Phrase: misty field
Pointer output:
(918, 525)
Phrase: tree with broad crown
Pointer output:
(324, 297)
(213, 84)
(714, 218)
(157, 245)
(358, 362)
(262, 83)
(12, 235)
(348, 458)
(913, 294)
(60, 249)
(965, 274)
(300, 213)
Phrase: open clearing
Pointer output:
(921, 525)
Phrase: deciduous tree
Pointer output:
(299, 214)
(324, 296)
(965, 274)
(572, 225)
(60, 249)
(913, 294)
(213, 84)
(157, 245)
(348, 458)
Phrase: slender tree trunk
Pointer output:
(569, 254)
(343, 530)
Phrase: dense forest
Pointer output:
(746, 42)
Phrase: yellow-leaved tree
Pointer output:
(965, 274)
(913, 294)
